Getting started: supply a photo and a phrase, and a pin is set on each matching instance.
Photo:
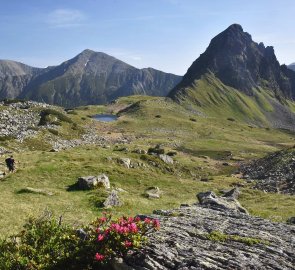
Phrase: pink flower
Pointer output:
(133, 227)
(102, 219)
(156, 224)
(130, 219)
(137, 219)
(99, 257)
(127, 243)
(147, 220)
(100, 237)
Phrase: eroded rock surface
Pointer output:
(183, 241)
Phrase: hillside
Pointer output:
(240, 79)
(14, 77)
(89, 78)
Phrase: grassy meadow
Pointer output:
(209, 150)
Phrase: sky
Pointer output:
(164, 34)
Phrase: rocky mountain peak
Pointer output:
(235, 59)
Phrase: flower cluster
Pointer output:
(120, 236)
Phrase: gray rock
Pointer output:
(126, 162)
(91, 182)
(103, 181)
(153, 193)
(87, 182)
(112, 200)
(233, 193)
(182, 242)
(210, 200)
(167, 159)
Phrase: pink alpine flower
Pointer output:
(100, 237)
(127, 243)
(99, 257)
(156, 224)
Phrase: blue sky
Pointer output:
(164, 34)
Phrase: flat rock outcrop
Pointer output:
(199, 237)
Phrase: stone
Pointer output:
(112, 200)
(103, 181)
(167, 159)
(210, 200)
(87, 182)
(182, 242)
(91, 182)
(291, 220)
(126, 162)
(2, 174)
(233, 193)
(153, 193)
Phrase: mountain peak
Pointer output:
(235, 27)
(237, 61)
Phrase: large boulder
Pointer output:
(91, 182)
(227, 202)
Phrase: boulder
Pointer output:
(112, 200)
(167, 159)
(87, 182)
(153, 193)
(103, 181)
(126, 162)
(91, 182)
(210, 200)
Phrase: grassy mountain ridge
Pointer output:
(89, 78)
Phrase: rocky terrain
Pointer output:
(217, 233)
(89, 78)
(19, 120)
(273, 173)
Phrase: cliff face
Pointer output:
(217, 233)
(235, 59)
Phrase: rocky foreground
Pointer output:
(217, 233)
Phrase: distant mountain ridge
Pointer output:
(238, 78)
(89, 78)
(292, 66)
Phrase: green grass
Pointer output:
(201, 145)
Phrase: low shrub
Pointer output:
(46, 243)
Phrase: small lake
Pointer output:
(105, 117)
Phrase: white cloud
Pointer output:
(63, 18)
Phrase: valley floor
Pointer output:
(206, 153)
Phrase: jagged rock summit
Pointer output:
(89, 78)
(202, 237)
(239, 62)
